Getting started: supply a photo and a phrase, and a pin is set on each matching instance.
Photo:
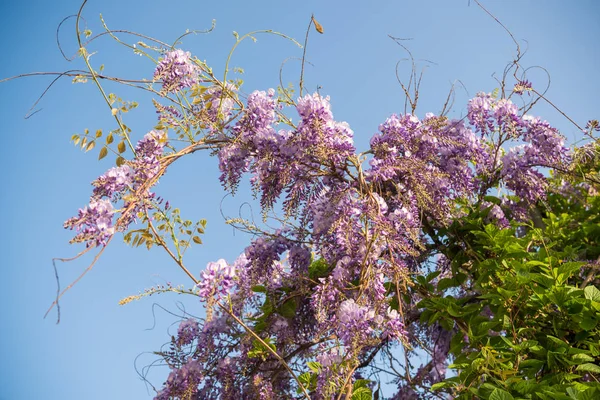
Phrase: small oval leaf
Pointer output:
(103, 153)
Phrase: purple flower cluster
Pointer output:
(188, 331)
(167, 114)
(495, 215)
(254, 137)
(479, 112)
(284, 160)
(114, 181)
(177, 71)
(264, 388)
(220, 101)
(148, 152)
(427, 163)
(182, 382)
(94, 222)
(522, 86)
(359, 325)
(216, 280)
(545, 148)
(355, 323)
(319, 135)
(519, 167)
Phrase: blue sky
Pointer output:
(91, 353)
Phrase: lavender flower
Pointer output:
(354, 323)
(479, 112)
(93, 223)
(220, 102)
(176, 71)
(593, 124)
(188, 331)
(522, 86)
(263, 387)
(182, 381)
(495, 215)
(114, 181)
(216, 280)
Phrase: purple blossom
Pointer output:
(479, 112)
(527, 183)
(394, 327)
(188, 331)
(253, 136)
(93, 223)
(522, 86)
(330, 357)
(263, 387)
(220, 102)
(299, 259)
(319, 135)
(216, 280)
(167, 114)
(114, 181)
(176, 71)
(593, 124)
(354, 323)
(181, 381)
(282, 160)
(495, 215)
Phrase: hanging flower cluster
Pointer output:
(129, 183)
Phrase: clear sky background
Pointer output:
(91, 353)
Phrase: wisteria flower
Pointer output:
(177, 71)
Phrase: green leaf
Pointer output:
(197, 240)
(532, 363)
(308, 380)
(441, 385)
(305, 378)
(314, 366)
(587, 324)
(589, 394)
(362, 393)
(446, 283)
(592, 293)
(499, 394)
(589, 367)
(121, 147)
(318, 269)
(288, 308)
(360, 383)
(259, 289)
(583, 357)
(566, 270)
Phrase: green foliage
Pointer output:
(527, 317)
